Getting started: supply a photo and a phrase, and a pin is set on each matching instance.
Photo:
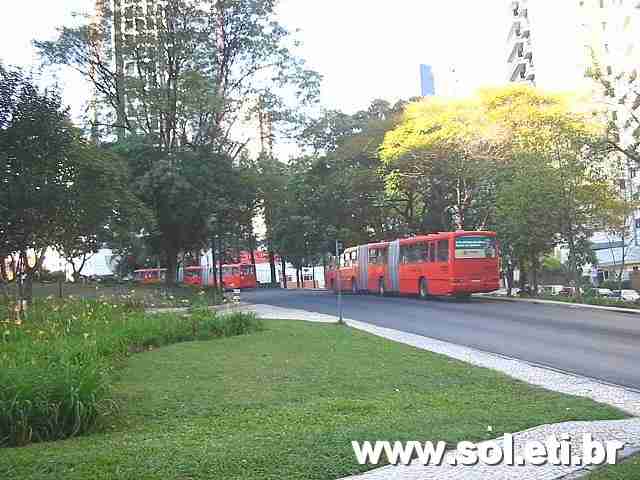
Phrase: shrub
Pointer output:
(57, 365)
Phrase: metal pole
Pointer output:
(340, 319)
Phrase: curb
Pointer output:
(215, 308)
(632, 311)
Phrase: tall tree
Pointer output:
(57, 189)
(193, 70)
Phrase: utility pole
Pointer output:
(338, 245)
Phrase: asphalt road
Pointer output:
(599, 344)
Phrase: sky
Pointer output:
(365, 49)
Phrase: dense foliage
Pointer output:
(58, 365)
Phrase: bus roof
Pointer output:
(444, 235)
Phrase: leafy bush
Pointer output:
(57, 365)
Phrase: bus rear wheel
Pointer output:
(423, 289)
(381, 290)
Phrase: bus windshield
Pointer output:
(476, 247)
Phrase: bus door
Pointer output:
(411, 257)
(439, 283)
(377, 267)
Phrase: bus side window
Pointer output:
(373, 256)
(423, 252)
(404, 254)
(432, 252)
(443, 250)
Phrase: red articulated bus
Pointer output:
(454, 263)
(233, 276)
(148, 276)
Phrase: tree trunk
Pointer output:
(272, 267)
(214, 268)
(28, 288)
(523, 274)
(298, 277)
(509, 278)
(573, 266)
(284, 271)
(622, 264)
(535, 266)
(220, 261)
(253, 261)
(313, 275)
(324, 270)
(172, 266)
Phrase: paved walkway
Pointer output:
(627, 431)
(502, 298)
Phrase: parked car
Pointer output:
(568, 291)
(604, 292)
(626, 295)
(550, 289)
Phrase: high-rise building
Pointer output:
(521, 67)
(554, 44)
(427, 81)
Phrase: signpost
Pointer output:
(338, 250)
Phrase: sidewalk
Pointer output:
(488, 296)
(627, 431)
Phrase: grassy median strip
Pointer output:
(285, 403)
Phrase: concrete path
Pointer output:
(627, 431)
(540, 301)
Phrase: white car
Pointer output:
(627, 295)
(550, 289)
(604, 292)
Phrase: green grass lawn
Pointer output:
(286, 403)
(629, 470)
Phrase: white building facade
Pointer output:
(554, 45)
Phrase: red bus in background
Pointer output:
(233, 276)
(148, 276)
(453, 263)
